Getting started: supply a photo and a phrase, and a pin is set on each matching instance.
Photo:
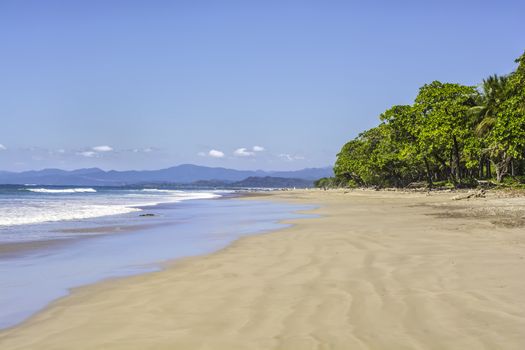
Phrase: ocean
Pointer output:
(23, 205)
(53, 239)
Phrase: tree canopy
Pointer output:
(451, 132)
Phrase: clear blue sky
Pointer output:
(150, 84)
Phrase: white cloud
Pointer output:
(103, 148)
(290, 157)
(88, 154)
(258, 148)
(213, 153)
(2, 147)
(216, 153)
(54, 152)
(243, 152)
(143, 150)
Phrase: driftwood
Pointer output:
(485, 184)
(479, 194)
(417, 185)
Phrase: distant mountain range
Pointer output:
(253, 182)
(271, 182)
(181, 174)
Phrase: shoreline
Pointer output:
(69, 316)
(99, 257)
(19, 248)
(114, 281)
(10, 249)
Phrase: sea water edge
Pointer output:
(90, 250)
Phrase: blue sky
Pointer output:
(241, 84)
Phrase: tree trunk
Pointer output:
(429, 175)
(480, 168)
(499, 174)
(452, 171)
(502, 167)
(456, 155)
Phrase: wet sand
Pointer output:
(14, 249)
(375, 270)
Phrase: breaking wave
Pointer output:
(49, 207)
(62, 190)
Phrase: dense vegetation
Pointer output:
(451, 133)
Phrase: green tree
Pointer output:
(488, 105)
(446, 126)
(405, 124)
(507, 140)
(451, 132)
(485, 114)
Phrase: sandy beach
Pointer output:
(373, 270)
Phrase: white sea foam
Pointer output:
(62, 190)
(50, 208)
(50, 213)
(155, 190)
(174, 197)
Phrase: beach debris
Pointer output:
(418, 185)
(478, 194)
(485, 184)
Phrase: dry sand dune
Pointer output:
(376, 270)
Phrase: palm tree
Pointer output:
(494, 92)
